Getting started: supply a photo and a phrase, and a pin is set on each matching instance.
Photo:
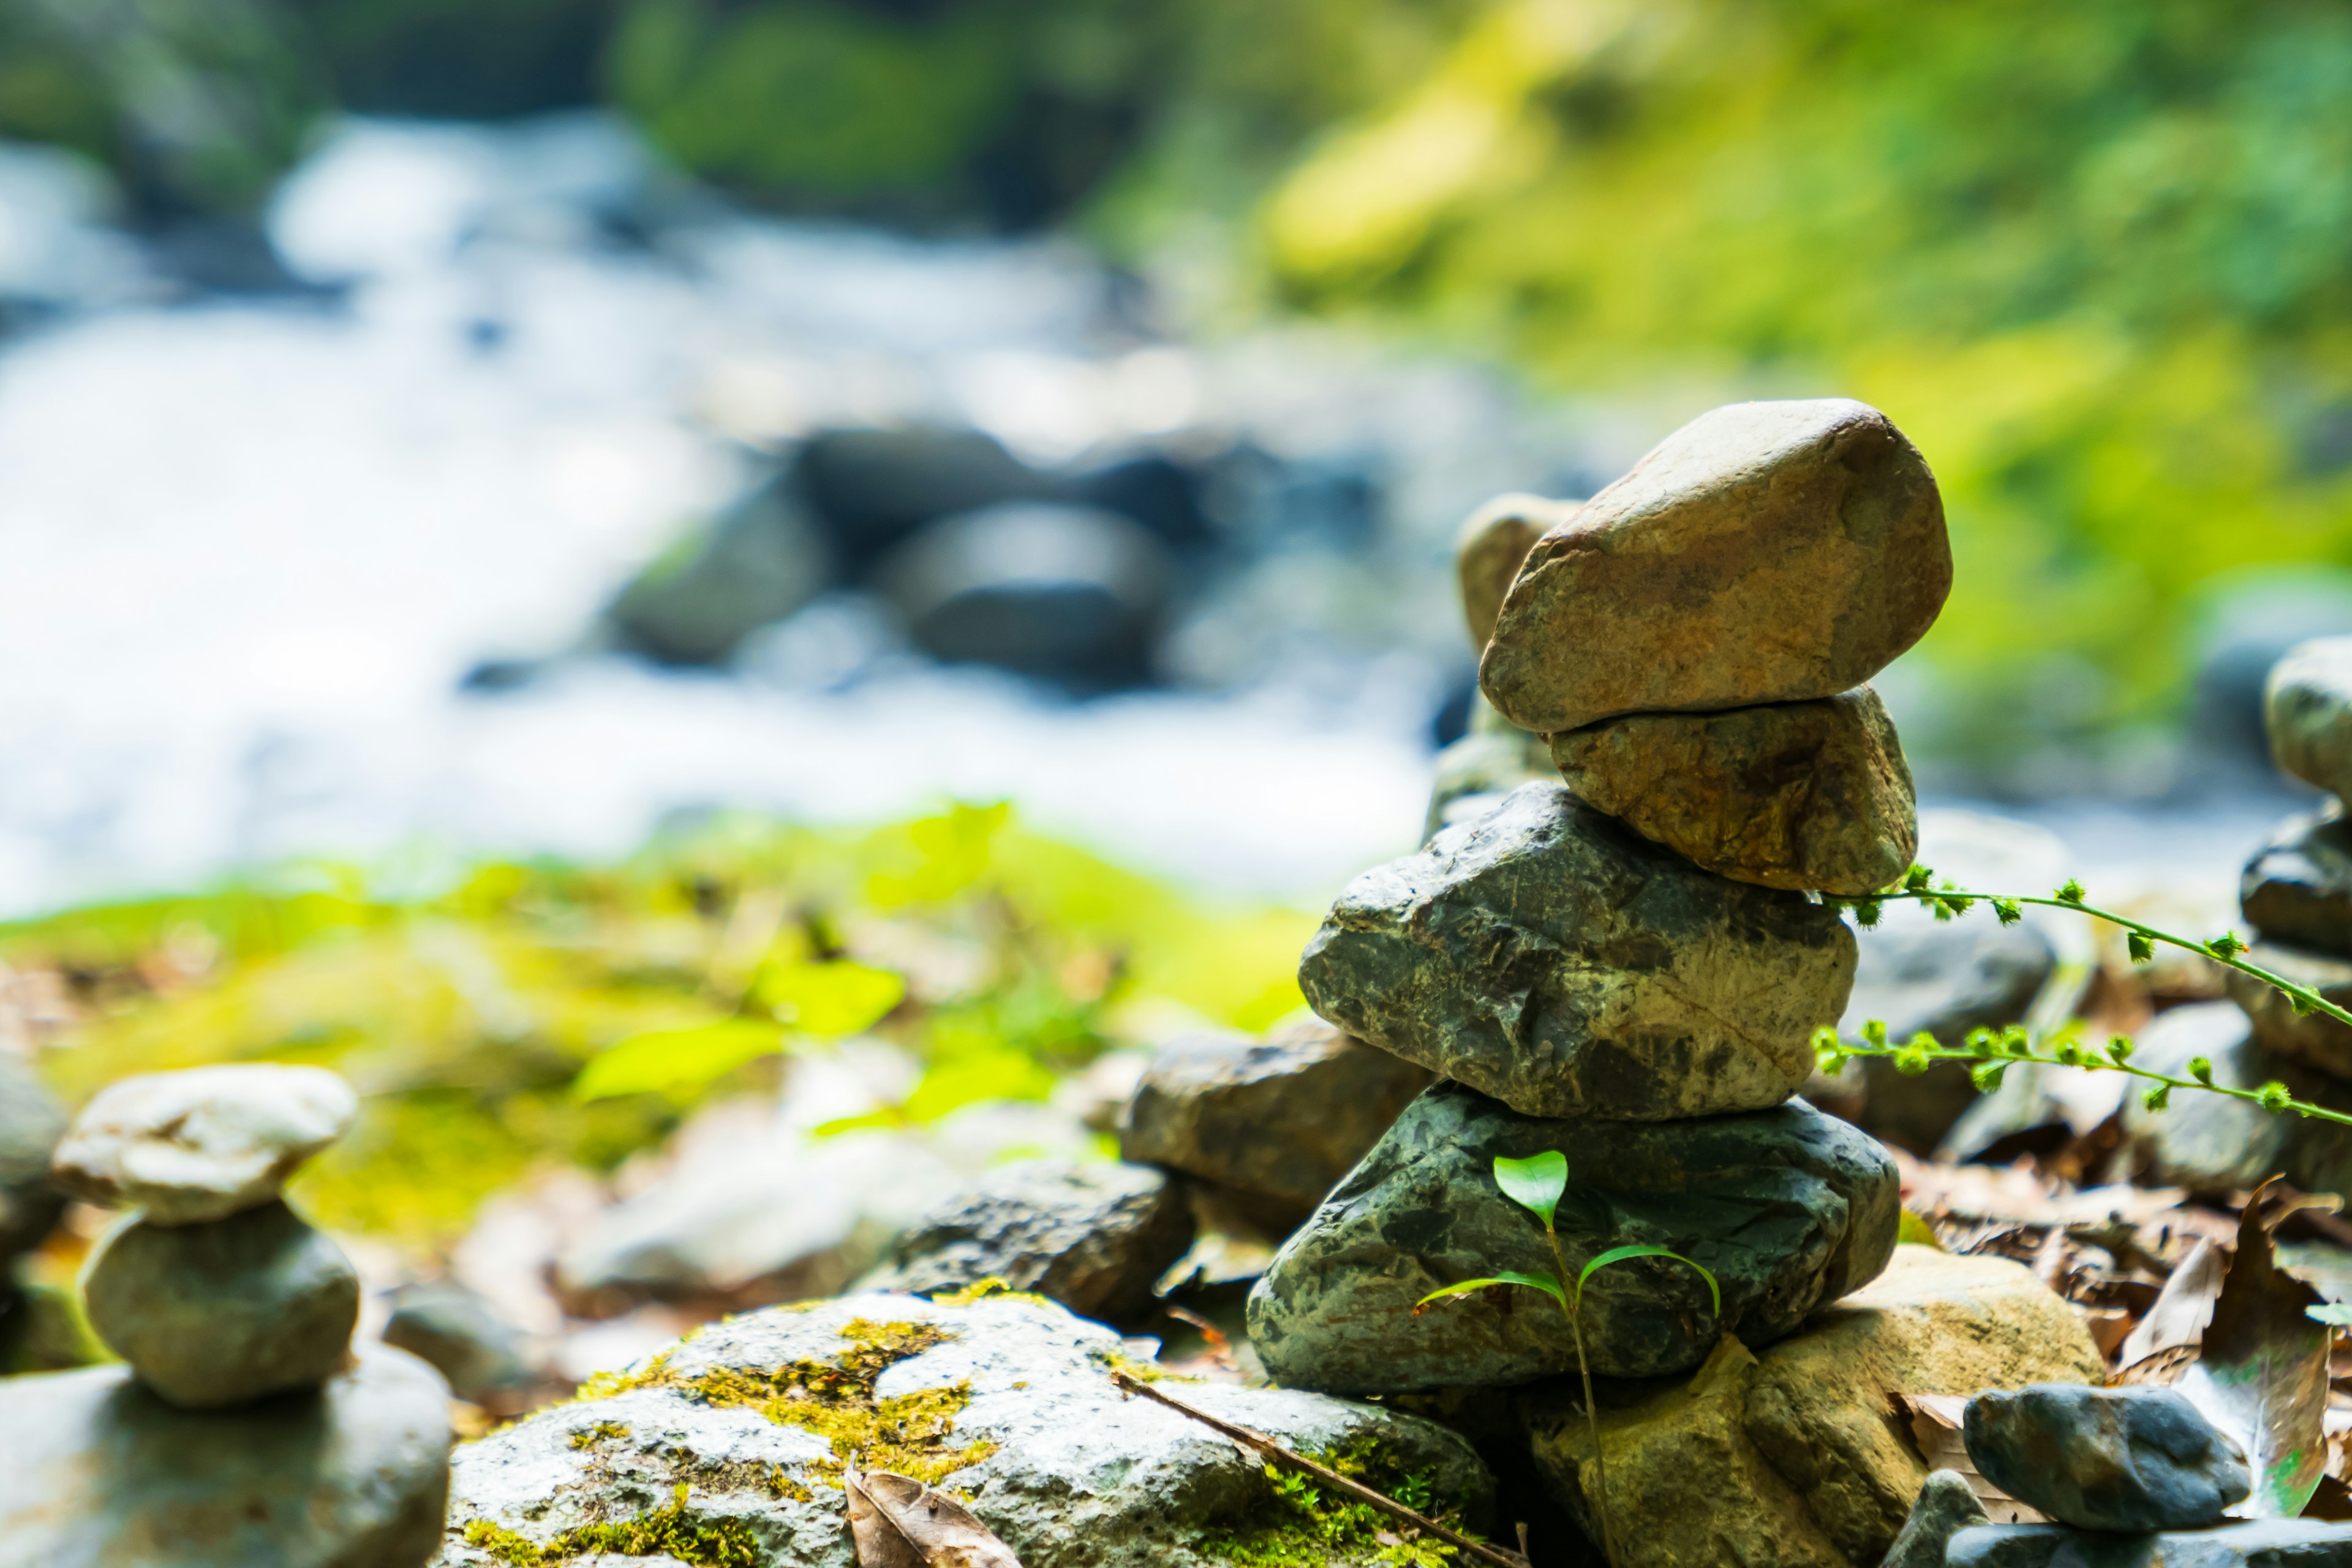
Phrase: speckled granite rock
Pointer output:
(1092, 1237)
(217, 1314)
(2131, 1459)
(97, 1472)
(2257, 1543)
(1812, 796)
(1788, 1456)
(1789, 1208)
(201, 1145)
(1271, 1124)
(2297, 889)
(1070, 1472)
(2307, 708)
(1546, 955)
(1763, 552)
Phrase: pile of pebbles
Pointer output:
(242, 1427)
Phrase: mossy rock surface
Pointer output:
(728, 1448)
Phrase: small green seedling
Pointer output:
(1537, 1183)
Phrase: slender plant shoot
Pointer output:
(1537, 1183)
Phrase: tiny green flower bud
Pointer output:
(2119, 1049)
(1985, 1075)
(2274, 1095)
(2137, 944)
(2202, 1070)
(2072, 893)
(2007, 911)
(2157, 1096)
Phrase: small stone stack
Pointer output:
(2296, 894)
(244, 1407)
(1621, 964)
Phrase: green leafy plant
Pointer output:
(1537, 1183)
(1992, 1053)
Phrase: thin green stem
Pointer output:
(1917, 1051)
(1584, 1368)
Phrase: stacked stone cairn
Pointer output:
(2132, 1475)
(1622, 963)
(2296, 896)
(243, 1428)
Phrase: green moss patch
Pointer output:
(1300, 1524)
(674, 1531)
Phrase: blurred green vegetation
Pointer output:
(467, 1018)
(2095, 256)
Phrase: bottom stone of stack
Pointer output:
(1794, 1455)
(97, 1472)
(2257, 1544)
(1788, 1208)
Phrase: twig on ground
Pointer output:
(1259, 1442)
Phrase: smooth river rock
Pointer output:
(2135, 1458)
(2307, 708)
(1042, 1445)
(2297, 888)
(1793, 1456)
(1494, 541)
(1549, 957)
(1812, 797)
(217, 1314)
(97, 1472)
(2257, 1543)
(1270, 1125)
(1092, 1237)
(1789, 1209)
(2312, 1039)
(1763, 552)
(203, 1144)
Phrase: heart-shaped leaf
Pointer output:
(1535, 1184)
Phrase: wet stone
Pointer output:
(222, 1313)
(1764, 553)
(1789, 1209)
(1271, 1124)
(204, 1143)
(2133, 1459)
(1812, 797)
(1547, 956)
(2297, 889)
(1092, 1237)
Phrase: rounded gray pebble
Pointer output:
(219, 1313)
(2107, 1459)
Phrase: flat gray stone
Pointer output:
(97, 1472)
(2257, 1543)
(1546, 955)
(2312, 1039)
(1273, 1123)
(203, 1144)
(1068, 1471)
(2135, 1458)
(1763, 552)
(2307, 708)
(1947, 1506)
(1810, 796)
(2212, 1143)
(31, 1122)
(1789, 1209)
(2297, 889)
(220, 1313)
(1092, 1237)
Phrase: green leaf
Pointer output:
(829, 1001)
(1535, 1184)
(676, 1061)
(1508, 1276)
(1621, 1254)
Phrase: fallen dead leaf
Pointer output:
(2261, 1374)
(896, 1522)
(1936, 1428)
(2181, 1310)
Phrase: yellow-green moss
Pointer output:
(703, 1542)
(589, 1436)
(1300, 1524)
(989, 1289)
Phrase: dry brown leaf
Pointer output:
(1935, 1427)
(2261, 1374)
(2181, 1308)
(896, 1522)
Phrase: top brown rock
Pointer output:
(1763, 552)
(1493, 542)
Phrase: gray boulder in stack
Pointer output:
(1622, 963)
(243, 1428)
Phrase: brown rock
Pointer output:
(1272, 1124)
(1764, 553)
(1493, 542)
(1793, 1455)
(1812, 796)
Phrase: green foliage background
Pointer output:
(2092, 253)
